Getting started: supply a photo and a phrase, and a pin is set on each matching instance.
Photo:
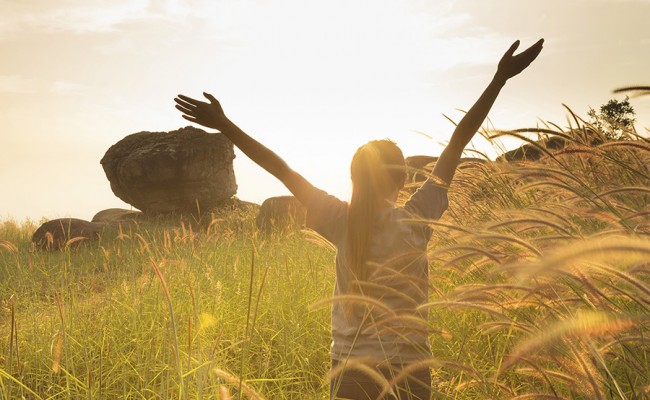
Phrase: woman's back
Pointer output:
(378, 322)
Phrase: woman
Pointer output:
(378, 345)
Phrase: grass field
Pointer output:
(539, 289)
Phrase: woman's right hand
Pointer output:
(210, 114)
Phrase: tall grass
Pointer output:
(551, 273)
(539, 289)
(101, 322)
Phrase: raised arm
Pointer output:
(211, 115)
(509, 66)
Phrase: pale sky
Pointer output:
(312, 80)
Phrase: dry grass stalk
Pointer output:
(404, 326)
(537, 396)
(314, 237)
(8, 246)
(462, 304)
(223, 393)
(469, 250)
(490, 327)
(354, 299)
(583, 325)
(536, 221)
(75, 241)
(371, 287)
(545, 374)
(405, 372)
(57, 352)
(582, 251)
(366, 367)
(237, 382)
(462, 386)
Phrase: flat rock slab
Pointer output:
(182, 171)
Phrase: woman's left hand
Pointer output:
(510, 65)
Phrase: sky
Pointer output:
(312, 80)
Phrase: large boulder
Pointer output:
(553, 143)
(55, 234)
(418, 166)
(280, 213)
(533, 152)
(186, 170)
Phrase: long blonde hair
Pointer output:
(377, 169)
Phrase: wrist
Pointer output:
(499, 79)
(229, 129)
(225, 125)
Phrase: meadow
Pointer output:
(539, 289)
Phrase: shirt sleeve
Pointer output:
(429, 201)
(327, 215)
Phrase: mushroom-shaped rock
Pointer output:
(185, 171)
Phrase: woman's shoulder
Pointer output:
(429, 201)
(326, 214)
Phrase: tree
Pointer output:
(614, 118)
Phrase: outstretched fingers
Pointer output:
(184, 110)
(531, 53)
(189, 118)
(535, 49)
(511, 65)
(204, 113)
(512, 49)
(210, 98)
(185, 105)
(189, 111)
(189, 100)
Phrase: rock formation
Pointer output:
(187, 170)
(54, 234)
(418, 166)
(115, 216)
(530, 152)
(280, 213)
